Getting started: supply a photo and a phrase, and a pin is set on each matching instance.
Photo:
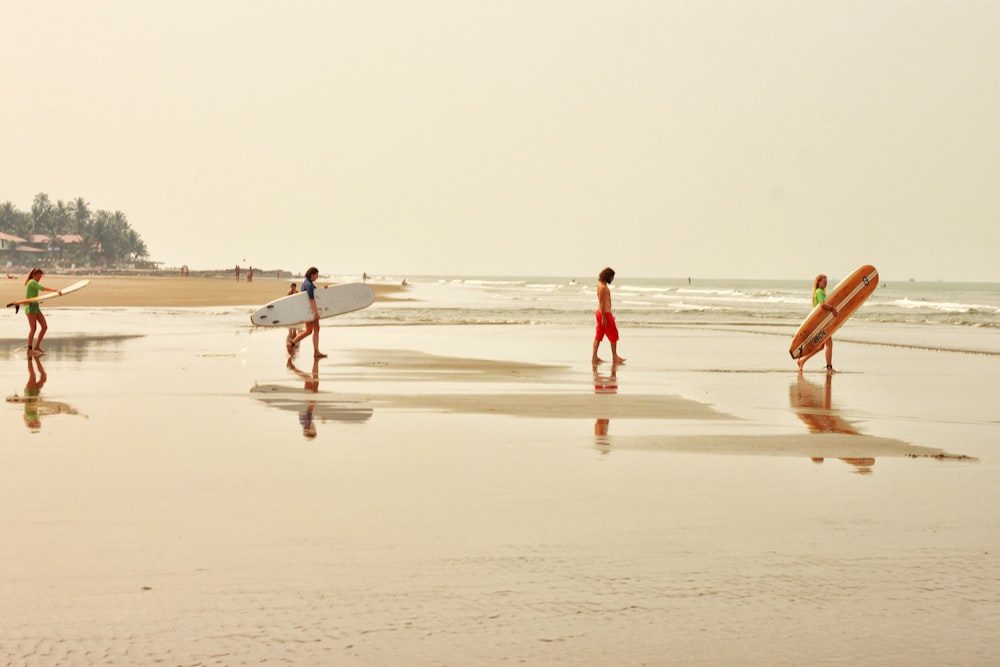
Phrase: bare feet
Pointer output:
(320, 355)
(618, 360)
(595, 361)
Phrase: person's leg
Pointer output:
(42, 328)
(829, 355)
(316, 352)
(302, 334)
(32, 325)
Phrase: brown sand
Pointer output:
(168, 291)
(475, 495)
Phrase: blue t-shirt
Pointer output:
(308, 287)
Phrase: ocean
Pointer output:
(964, 317)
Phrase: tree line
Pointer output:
(107, 238)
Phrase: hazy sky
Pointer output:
(706, 138)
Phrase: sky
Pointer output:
(668, 138)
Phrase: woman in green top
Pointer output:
(819, 298)
(34, 312)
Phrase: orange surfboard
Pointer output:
(846, 297)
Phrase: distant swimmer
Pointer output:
(606, 325)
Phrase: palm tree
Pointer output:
(82, 225)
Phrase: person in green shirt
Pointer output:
(819, 298)
(34, 312)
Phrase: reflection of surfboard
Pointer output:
(846, 297)
(812, 404)
(51, 295)
(331, 300)
(323, 406)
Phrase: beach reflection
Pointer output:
(81, 347)
(35, 407)
(604, 383)
(814, 406)
(315, 407)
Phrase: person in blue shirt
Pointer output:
(312, 328)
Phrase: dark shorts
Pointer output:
(610, 329)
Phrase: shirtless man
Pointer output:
(605, 320)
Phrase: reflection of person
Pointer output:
(819, 299)
(813, 405)
(311, 385)
(34, 311)
(34, 405)
(605, 319)
(32, 417)
(312, 328)
(605, 384)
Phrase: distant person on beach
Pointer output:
(34, 312)
(605, 319)
(292, 332)
(237, 273)
(312, 328)
(819, 298)
(250, 275)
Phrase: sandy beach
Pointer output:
(481, 494)
(165, 291)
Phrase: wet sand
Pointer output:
(476, 495)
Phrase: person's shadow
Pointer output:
(813, 404)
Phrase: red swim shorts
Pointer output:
(610, 329)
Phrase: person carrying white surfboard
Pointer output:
(34, 311)
(312, 328)
(819, 299)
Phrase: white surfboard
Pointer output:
(331, 300)
(44, 296)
